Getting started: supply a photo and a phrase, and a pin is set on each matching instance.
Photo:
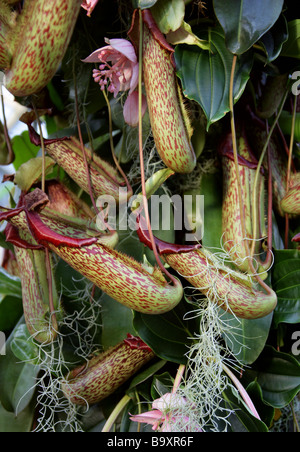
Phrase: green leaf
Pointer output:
(23, 346)
(9, 423)
(31, 171)
(116, 320)
(18, 382)
(241, 420)
(146, 374)
(205, 75)
(11, 309)
(24, 149)
(185, 35)
(10, 285)
(292, 47)
(247, 338)
(278, 374)
(168, 14)
(211, 189)
(246, 21)
(285, 281)
(274, 39)
(143, 4)
(167, 335)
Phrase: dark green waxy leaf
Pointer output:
(274, 39)
(9, 423)
(278, 374)
(286, 283)
(146, 374)
(11, 310)
(168, 335)
(247, 338)
(211, 189)
(18, 380)
(292, 47)
(245, 21)
(241, 420)
(10, 285)
(23, 346)
(205, 75)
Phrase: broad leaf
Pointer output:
(168, 335)
(9, 423)
(18, 382)
(285, 279)
(11, 310)
(30, 172)
(23, 346)
(246, 21)
(247, 338)
(10, 285)
(278, 374)
(241, 420)
(205, 75)
(274, 39)
(292, 47)
(26, 150)
(168, 14)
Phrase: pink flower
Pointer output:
(119, 72)
(164, 416)
(89, 5)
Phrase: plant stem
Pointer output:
(116, 412)
(234, 146)
(240, 193)
(112, 141)
(289, 169)
(82, 143)
(178, 378)
(50, 286)
(259, 166)
(6, 134)
(43, 183)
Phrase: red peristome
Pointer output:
(44, 235)
(136, 343)
(150, 22)
(13, 236)
(36, 139)
(10, 213)
(148, 19)
(162, 247)
(226, 150)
